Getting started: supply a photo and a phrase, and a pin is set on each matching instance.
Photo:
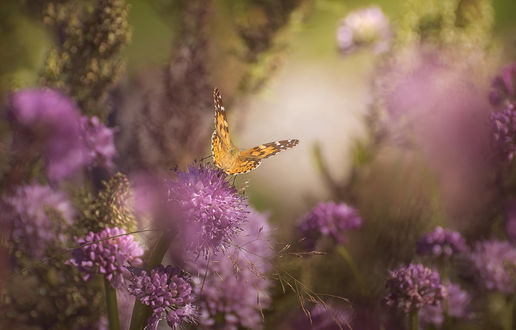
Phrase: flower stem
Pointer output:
(349, 260)
(112, 306)
(508, 317)
(414, 320)
(142, 312)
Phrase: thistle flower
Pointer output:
(441, 243)
(413, 287)
(167, 291)
(99, 142)
(503, 91)
(235, 285)
(109, 253)
(212, 209)
(329, 219)
(38, 215)
(362, 28)
(457, 303)
(495, 264)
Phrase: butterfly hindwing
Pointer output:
(268, 149)
(244, 165)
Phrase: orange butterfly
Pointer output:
(227, 156)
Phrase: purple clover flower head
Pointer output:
(167, 291)
(212, 208)
(329, 219)
(413, 287)
(503, 126)
(107, 253)
(99, 142)
(28, 208)
(503, 91)
(441, 243)
(364, 27)
(495, 264)
(236, 287)
(329, 317)
(49, 116)
(458, 302)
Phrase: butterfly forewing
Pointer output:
(269, 149)
(221, 123)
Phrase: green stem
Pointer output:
(349, 260)
(142, 312)
(112, 306)
(508, 317)
(414, 320)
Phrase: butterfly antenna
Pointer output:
(205, 158)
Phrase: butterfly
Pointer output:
(227, 156)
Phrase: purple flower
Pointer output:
(99, 142)
(167, 291)
(70, 141)
(503, 126)
(364, 27)
(413, 287)
(38, 215)
(108, 253)
(212, 209)
(235, 286)
(442, 243)
(495, 265)
(53, 118)
(503, 91)
(457, 303)
(329, 219)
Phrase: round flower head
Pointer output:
(167, 291)
(362, 28)
(329, 219)
(39, 215)
(99, 142)
(413, 287)
(235, 286)
(495, 265)
(441, 243)
(503, 91)
(457, 302)
(212, 210)
(109, 253)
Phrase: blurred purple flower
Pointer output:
(413, 287)
(167, 291)
(28, 208)
(99, 141)
(329, 219)
(458, 306)
(49, 116)
(362, 28)
(329, 317)
(101, 254)
(441, 243)
(212, 209)
(503, 125)
(71, 142)
(235, 284)
(503, 91)
(495, 265)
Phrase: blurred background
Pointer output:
(392, 120)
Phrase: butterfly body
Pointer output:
(227, 156)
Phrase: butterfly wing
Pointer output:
(250, 159)
(220, 141)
